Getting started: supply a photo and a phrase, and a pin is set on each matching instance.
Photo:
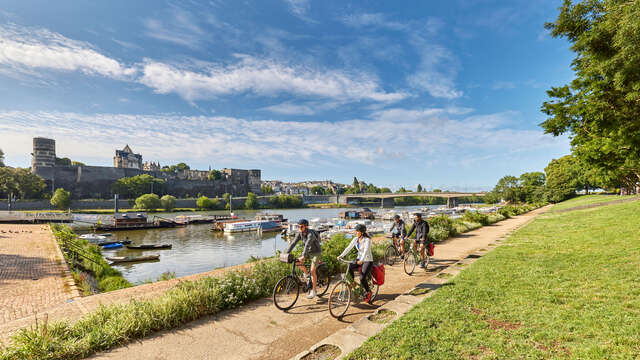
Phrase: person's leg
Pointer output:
(314, 266)
(366, 269)
(352, 267)
(422, 245)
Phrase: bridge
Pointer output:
(387, 198)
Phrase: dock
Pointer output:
(17, 217)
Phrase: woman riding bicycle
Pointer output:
(362, 242)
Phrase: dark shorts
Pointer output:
(420, 242)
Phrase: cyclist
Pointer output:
(362, 242)
(421, 228)
(312, 249)
(398, 232)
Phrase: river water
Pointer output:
(197, 249)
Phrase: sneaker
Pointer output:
(422, 264)
(311, 295)
(367, 298)
(401, 257)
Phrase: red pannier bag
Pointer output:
(430, 249)
(378, 274)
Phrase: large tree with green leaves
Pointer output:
(135, 186)
(1, 158)
(532, 187)
(21, 182)
(61, 199)
(601, 107)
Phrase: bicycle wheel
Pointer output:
(390, 255)
(374, 288)
(286, 292)
(324, 279)
(339, 299)
(410, 260)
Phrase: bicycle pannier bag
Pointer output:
(430, 249)
(286, 257)
(378, 274)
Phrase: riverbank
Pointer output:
(562, 287)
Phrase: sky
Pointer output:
(446, 94)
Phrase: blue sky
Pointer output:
(442, 93)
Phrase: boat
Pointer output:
(135, 221)
(93, 237)
(149, 246)
(219, 225)
(125, 259)
(105, 243)
(277, 218)
(251, 226)
(113, 246)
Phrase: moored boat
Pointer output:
(105, 243)
(251, 226)
(93, 237)
(113, 246)
(125, 259)
(149, 246)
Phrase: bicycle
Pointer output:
(412, 257)
(288, 288)
(391, 253)
(341, 295)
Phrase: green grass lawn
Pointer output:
(565, 286)
(587, 200)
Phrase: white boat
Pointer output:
(244, 226)
(93, 237)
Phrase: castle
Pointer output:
(96, 181)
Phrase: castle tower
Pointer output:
(44, 153)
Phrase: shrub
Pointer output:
(252, 201)
(168, 202)
(61, 199)
(476, 217)
(203, 203)
(148, 202)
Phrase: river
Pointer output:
(197, 249)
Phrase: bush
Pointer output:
(61, 199)
(252, 201)
(148, 202)
(168, 202)
(476, 217)
(203, 203)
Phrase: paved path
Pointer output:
(32, 272)
(260, 331)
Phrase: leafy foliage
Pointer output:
(148, 202)
(285, 201)
(21, 182)
(133, 187)
(215, 175)
(61, 199)
(252, 201)
(1, 158)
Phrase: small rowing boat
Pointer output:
(125, 259)
(113, 246)
(149, 246)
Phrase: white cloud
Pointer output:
(436, 72)
(24, 49)
(372, 19)
(263, 77)
(291, 109)
(388, 137)
(180, 28)
(299, 8)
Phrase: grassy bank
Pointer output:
(588, 200)
(85, 260)
(564, 287)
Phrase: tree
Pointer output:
(508, 188)
(63, 161)
(215, 175)
(175, 168)
(1, 158)
(419, 188)
(356, 185)
(317, 190)
(402, 190)
(77, 163)
(252, 201)
(168, 202)
(21, 182)
(385, 190)
(203, 203)
(61, 199)
(600, 108)
(148, 202)
(227, 200)
(532, 187)
(135, 186)
(562, 179)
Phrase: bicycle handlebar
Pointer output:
(344, 261)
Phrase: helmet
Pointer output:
(303, 222)
(361, 228)
(397, 217)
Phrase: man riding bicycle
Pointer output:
(421, 228)
(398, 233)
(312, 249)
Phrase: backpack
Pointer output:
(378, 274)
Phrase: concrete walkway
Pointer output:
(33, 274)
(260, 331)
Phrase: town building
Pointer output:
(125, 158)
